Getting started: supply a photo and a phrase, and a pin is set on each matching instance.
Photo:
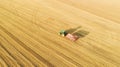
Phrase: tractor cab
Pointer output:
(63, 33)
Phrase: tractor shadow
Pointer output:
(72, 30)
(76, 31)
(81, 33)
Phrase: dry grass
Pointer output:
(29, 33)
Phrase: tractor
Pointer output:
(70, 36)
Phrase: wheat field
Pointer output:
(29, 33)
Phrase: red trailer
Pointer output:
(72, 37)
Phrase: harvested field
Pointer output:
(29, 33)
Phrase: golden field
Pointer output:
(29, 33)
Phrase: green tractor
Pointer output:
(63, 33)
